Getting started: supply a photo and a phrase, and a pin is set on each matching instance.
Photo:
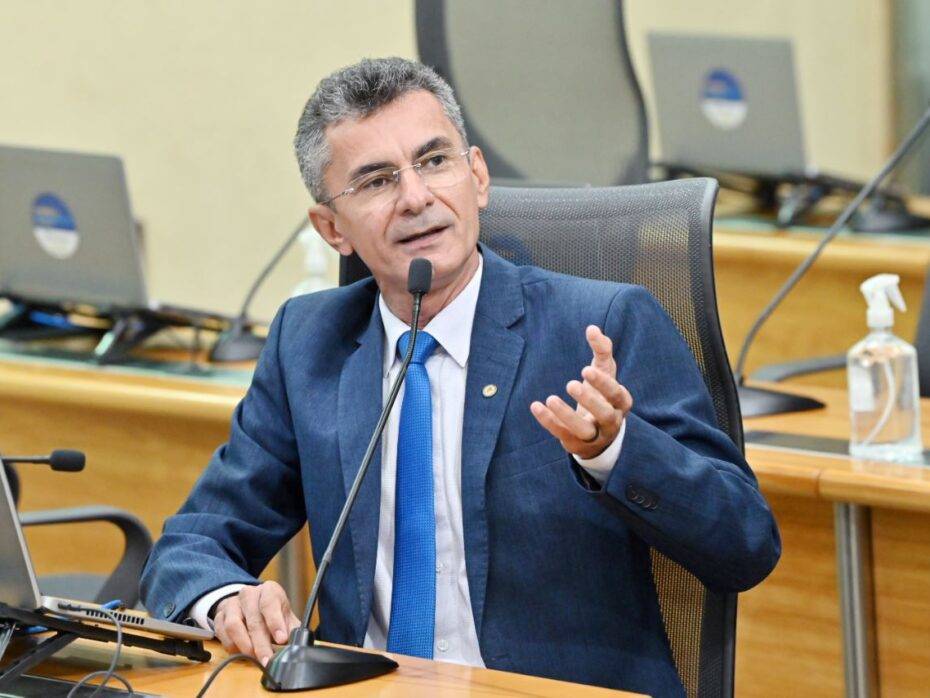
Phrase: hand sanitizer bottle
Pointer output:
(884, 405)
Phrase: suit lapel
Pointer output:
(493, 359)
(359, 405)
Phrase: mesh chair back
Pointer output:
(658, 236)
(510, 61)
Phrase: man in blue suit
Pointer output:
(499, 525)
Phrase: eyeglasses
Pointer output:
(437, 169)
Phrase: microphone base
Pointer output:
(236, 344)
(303, 666)
(758, 402)
(882, 215)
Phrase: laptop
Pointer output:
(67, 233)
(19, 587)
(728, 104)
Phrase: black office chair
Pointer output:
(659, 236)
(123, 582)
(521, 68)
(802, 367)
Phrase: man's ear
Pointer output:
(479, 171)
(323, 219)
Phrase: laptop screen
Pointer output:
(18, 586)
(727, 103)
(67, 234)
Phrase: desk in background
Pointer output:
(790, 635)
(825, 314)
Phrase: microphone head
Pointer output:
(420, 276)
(66, 460)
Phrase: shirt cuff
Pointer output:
(202, 606)
(601, 466)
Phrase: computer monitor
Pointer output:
(727, 104)
(67, 233)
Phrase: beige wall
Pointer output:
(201, 97)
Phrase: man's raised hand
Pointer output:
(602, 403)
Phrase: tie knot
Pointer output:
(426, 344)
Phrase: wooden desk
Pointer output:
(825, 314)
(856, 545)
(147, 435)
(147, 439)
(414, 678)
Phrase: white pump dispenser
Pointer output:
(884, 405)
(878, 291)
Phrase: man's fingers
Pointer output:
(273, 604)
(602, 348)
(550, 422)
(615, 393)
(593, 401)
(236, 631)
(259, 634)
(580, 427)
(219, 628)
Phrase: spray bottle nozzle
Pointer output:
(880, 292)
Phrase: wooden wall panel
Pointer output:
(901, 559)
(788, 629)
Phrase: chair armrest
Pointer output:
(123, 582)
(790, 369)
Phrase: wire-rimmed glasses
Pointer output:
(439, 168)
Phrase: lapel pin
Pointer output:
(490, 390)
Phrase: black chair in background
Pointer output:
(802, 367)
(123, 582)
(520, 68)
(658, 236)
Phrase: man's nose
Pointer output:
(413, 194)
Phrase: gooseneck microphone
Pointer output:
(238, 343)
(755, 402)
(302, 665)
(64, 460)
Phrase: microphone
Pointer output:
(302, 665)
(755, 402)
(64, 460)
(238, 343)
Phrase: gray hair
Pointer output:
(355, 92)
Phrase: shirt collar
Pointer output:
(451, 327)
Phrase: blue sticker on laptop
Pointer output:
(723, 100)
(54, 226)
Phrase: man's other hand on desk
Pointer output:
(251, 620)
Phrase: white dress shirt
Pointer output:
(455, 637)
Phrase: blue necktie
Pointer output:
(413, 595)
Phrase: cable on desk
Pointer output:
(110, 672)
(225, 663)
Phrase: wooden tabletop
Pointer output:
(167, 676)
(101, 389)
(835, 478)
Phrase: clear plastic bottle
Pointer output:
(884, 401)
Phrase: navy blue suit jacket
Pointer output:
(558, 571)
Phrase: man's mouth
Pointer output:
(423, 234)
